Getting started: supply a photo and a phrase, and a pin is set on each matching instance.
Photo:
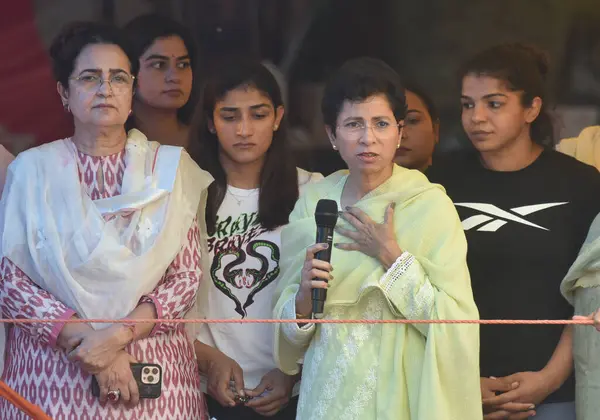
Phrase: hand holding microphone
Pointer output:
(316, 271)
(315, 275)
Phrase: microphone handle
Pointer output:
(324, 236)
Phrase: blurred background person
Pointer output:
(168, 81)
(421, 131)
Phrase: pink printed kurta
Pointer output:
(41, 372)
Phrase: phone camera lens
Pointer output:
(150, 379)
(146, 370)
(155, 371)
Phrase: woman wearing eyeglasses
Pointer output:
(399, 253)
(100, 225)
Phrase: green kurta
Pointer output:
(385, 371)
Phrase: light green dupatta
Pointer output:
(436, 366)
(581, 287)
(585, 271)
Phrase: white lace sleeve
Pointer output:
(294, 334)
(408, 289)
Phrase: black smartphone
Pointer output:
(148, 377)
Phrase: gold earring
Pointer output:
(275, 127)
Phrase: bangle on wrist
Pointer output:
(300, 315)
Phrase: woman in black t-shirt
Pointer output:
(526, 210)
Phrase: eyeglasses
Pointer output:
(119, 83)
(354, 130)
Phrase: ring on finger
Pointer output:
(114, 395)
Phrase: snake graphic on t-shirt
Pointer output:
(249, 278)
(239, 245)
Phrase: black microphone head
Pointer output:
(326, 213)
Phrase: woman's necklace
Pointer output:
(238, 200)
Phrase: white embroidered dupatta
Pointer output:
(99, 257)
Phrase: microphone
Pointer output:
(326, 215)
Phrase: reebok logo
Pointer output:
(493, 218)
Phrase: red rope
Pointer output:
(21, 403)
(315, 321)
(36, 413)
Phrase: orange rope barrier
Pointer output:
(21, 403)
(310, 321)
(37, 414)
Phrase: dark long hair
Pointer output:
(141, 33)
(524, 69)
(278, 177)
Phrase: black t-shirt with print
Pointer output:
(524, 230)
